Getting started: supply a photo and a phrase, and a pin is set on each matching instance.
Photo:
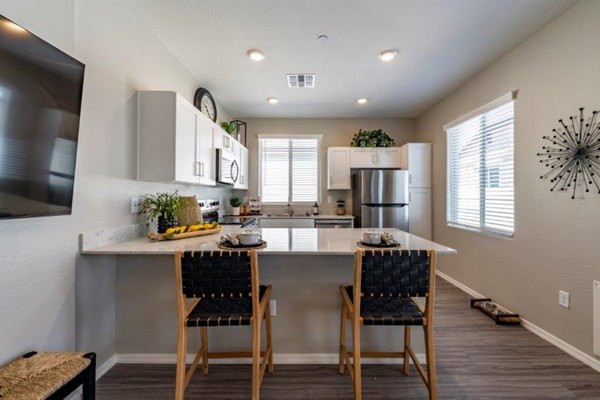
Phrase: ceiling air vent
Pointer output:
(301, 80)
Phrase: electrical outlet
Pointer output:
(135, 205)
(273, 307)
(329, 199)
(563, 298)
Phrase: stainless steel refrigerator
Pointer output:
(380, 198)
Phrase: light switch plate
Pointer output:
(273, 307)
(563, 298)
(135, 205)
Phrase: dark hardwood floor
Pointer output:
(476, 359)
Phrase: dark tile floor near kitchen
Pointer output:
(476, 360)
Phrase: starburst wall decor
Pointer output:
(574, 156)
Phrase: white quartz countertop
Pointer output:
(300, 241)
(320, 216)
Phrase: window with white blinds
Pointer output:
(289, 169)
(480, 181)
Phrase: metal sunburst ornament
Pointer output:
(574, 156)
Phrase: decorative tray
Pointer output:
(229, 246)
(378, 246)
(188, 232)
(501, 315)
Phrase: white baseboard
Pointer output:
(106, 366)
(547, 336)
(323, 358)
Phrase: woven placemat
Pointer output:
(223, 246)
(364, 246)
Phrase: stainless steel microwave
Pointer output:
(228, 167)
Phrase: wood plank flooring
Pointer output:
(476, 359)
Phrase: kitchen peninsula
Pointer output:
(304, 265)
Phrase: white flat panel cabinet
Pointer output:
(375, 157)
(362, 157)
(389, 157)
(419, 212)
(205, 152)
(174, 144)
(287, 222)
(338, 168)
(416, 158)
(242, 182)
(186, 142)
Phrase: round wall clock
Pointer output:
(573, 158)
(204, 102)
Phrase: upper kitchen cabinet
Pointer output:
(416, 159)
(338, 168)
(243, 155)
(225, 141)
(175, 140)
(375, 157)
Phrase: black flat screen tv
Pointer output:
(40, 102)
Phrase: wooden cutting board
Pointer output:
(155, 236)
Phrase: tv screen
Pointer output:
(40, 102)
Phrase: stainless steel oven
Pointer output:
(228, 167)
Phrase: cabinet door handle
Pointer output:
(197, 168)
(409, 178)
(201, 169)
(410, 197)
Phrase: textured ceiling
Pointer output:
(440, 43)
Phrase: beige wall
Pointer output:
(336, 132)
(555, 246)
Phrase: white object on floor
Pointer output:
(596, 312)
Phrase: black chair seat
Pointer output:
(223, 311)
(378, 310)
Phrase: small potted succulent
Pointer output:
(229, 127)
(235, 204)
(163, 207)
(376, 138)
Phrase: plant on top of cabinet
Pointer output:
(229, 127)
(376, 138)
(162, 206)
(235, 204)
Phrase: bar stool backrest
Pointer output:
(216, 274)
(395, 273)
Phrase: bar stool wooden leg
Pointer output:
(406, 346)
(356, 360)
(181, 354)
(430, 355)
(256, 322)
(204, 337)
(269, 337)
(344, 317)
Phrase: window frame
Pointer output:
(499, 102)
(319, 138)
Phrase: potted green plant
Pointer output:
(376, 138)
(229, 127)
(163, 207)
(235, 204)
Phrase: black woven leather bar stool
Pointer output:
(386, 283)
(225, 291)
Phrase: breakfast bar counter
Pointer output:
(290, 241)
(304, 265)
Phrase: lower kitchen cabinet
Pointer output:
(419, 212)
(286, 223)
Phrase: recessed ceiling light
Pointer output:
(273, 100)
(322, 38)
(256, 54)
(361, 101)
(387, 55)
(14, 27)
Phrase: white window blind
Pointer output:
(289, 169)
(480, 181)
